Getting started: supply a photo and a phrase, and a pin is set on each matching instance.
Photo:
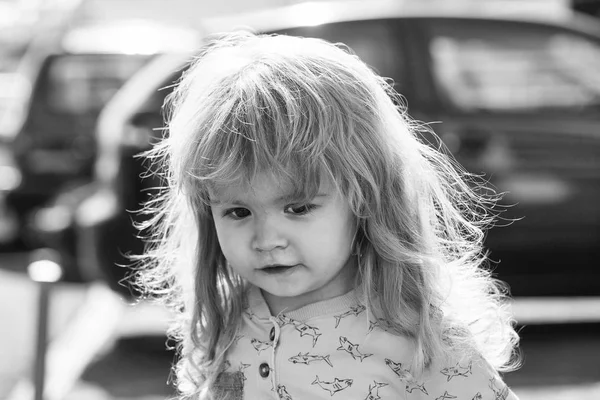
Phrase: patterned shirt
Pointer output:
(333, 349)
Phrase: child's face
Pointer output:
(296, 253)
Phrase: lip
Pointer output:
(278, 269)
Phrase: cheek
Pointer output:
(223, 236)
(228, 247)
(348, 229)
(333, 236)
(232, 241)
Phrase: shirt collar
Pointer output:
(335, 305)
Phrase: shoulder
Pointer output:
(472, 379)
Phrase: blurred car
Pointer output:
(47, 130)
(516, 91)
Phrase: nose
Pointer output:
(268, 235)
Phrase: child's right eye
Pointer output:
(236, 213)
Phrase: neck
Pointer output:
(278, 305)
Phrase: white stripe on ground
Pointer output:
(564, 392)
(556, 310)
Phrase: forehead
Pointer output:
(269, 188)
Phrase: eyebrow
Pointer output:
(281, 199)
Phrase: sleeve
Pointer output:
(470, 380)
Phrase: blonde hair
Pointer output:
(304, 107)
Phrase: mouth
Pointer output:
(276, 269)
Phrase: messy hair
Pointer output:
(311, 110)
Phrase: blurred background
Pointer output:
(512, 88)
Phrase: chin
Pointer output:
(282, 292)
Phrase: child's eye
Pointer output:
(300, 209)
(237, 213)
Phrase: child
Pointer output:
(311, 244)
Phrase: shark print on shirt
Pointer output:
(241, 370)
(413, 385)
(500, 393)
(352, 349)
(283, 320)
(457, 370)
(356, 310)
(260, 345)
(445, 396)
(374, 390)
(333, 387)
(304, 329)
(405, 376)
(308, 358)
(379, 323)
(282, 393)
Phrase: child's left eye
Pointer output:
(301, 209)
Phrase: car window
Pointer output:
(376, 42)
(514, 67)
(71, 91)
(84, 83)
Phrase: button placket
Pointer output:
(274, 332)
(274, 338)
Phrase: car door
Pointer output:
(520, 104)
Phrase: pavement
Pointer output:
(102, 348)
(91, 330)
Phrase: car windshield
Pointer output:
(71, 91)
(84, 83)
(515, 67)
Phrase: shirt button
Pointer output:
(264, 370)
(272, 334)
